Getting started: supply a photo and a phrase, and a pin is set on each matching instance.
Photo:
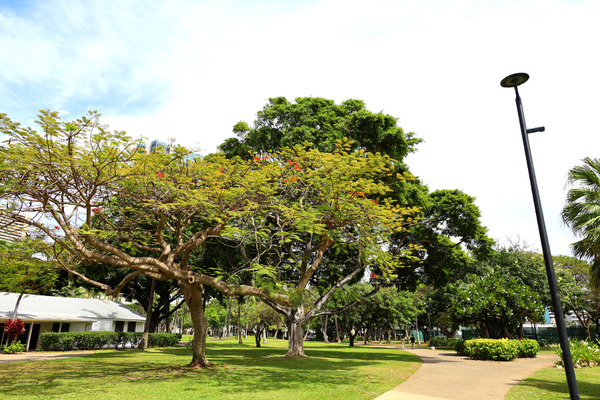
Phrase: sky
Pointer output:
(190, 70)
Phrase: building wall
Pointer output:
(104, 325)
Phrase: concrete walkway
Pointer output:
(41, 355)
(445, 375)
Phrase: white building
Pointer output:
(64, 314)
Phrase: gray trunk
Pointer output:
(295, 323)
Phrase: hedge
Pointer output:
(66, 341)
(497, 349)
(441, 341)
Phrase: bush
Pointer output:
(528, 348)
(443, 341)
(492, 349)
(66, 341)
(15, 347)
(162, 339)
(583, 354)
(459, 347)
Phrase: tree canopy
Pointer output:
(582, 212)
(101, 200)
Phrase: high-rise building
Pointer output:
(10, 229)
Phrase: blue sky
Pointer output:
(190, 70)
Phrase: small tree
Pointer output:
(13, 328)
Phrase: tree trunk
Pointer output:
(17, 305)
(144, 343)
(239, 321)
(449, 333)
(258, 331)
(295, 323)
(337, 330)
(193, 299)
(265, 335)
(324, 328)
(227, 320)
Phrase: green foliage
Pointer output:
(491, 349)
(14, 347)
(282, 123)
(163, 339)
(528, 348)
(507, 290)
(577, 293)
(67, 341)
(459, 347)
(441, 341)
(25, 266)
(582, 212)
(583, 353)
(496, 349)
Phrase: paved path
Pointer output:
(42, 355)
(445, 375)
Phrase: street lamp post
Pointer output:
(515, 80)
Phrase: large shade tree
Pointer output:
(449, 219)
(582, 213)
(100, 200)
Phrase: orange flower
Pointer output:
(257, 159)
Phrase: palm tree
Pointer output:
(582, 213)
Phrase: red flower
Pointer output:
(360, 193)
(160, 175)
(56, 227)
(375, 201)
(257, 159)
(351, 193)
(373, 276)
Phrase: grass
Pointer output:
(551, 384)
(331, 371)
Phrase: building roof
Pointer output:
(50, 308)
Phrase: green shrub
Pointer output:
(528, 348)
(162, 339)
(15, 347)
(66, 341)
(459, 347)
(583, 353)
(442, 341)
(492, 349)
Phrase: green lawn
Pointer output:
(330, 372)
(551, 384)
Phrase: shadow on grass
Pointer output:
(236, 369)
(588, 389)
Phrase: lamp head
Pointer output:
(514, 80)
